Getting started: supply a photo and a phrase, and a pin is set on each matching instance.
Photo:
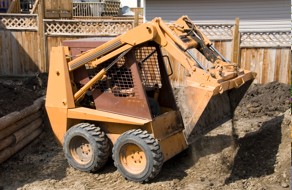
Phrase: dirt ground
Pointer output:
(259, 159)
(20, 92)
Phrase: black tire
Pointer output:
(86, 147)
(143, 146)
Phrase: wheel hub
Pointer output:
(80, 150)
(133, 158)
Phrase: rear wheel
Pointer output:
(137, 156)
(86, 147)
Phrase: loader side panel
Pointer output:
(59, 93)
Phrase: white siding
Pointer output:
(255, 15)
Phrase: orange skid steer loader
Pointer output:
(117, 98)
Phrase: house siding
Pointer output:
(259, 15)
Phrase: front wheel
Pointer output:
(86, 147)
(137, 156)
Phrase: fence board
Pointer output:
(277, 64)
(15, 57)
(285, 67)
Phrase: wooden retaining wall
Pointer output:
(19, 128)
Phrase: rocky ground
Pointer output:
(259, 159)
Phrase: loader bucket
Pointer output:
(203, 110)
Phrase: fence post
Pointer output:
(136, 18)
(41, 38)
(236, 43)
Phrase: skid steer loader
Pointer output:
(117, 98)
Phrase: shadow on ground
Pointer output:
(175, 168)
(257, 152)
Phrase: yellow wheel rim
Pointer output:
(133, 158)
(80, 150)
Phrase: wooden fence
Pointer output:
(25, 42)
(19, 45)
(268, 54)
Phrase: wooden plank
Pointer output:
(51, 5)
(4, 53)
(25, 48)
(30, 65)
(284, 69)
(228, 50)
(271, 65)
(65, 7)
(22, 53)
(242, 58)
(277, 64)
(9, 53)
(256, 62)
(51, 8)
(15, 54)
(36, 48)
(34, 65)
(265, 65)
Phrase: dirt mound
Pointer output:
(18, 93)
(264, 100)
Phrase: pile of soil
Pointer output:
(18, 93)
(264, 100)
(258, 159)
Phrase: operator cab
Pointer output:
(137, 85)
